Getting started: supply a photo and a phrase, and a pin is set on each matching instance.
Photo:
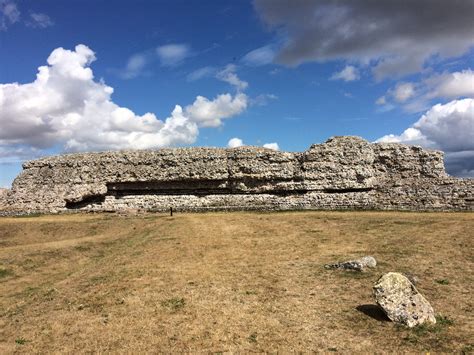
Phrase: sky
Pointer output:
(96, 75)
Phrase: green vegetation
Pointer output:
(174, 304)
(5, 272)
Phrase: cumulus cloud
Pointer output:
(210, 113)
(66, 107)
(260, 56)
(237, 103)
(397, 37)
(273, 146)
(417, 97)
(229, 76)
(449, 127)
(235, 143)
(173, 54)
(39, 20)
(451, 85)
(349, 73)
(9, 14)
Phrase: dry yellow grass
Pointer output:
(224, 282)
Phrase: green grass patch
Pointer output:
(5, 273)
(174, 304)
(443, 321)
(252, 338)
(82, 248)
(29, 215)
(467, 349)
(21, 341)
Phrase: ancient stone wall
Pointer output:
(343, 173)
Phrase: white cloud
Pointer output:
(169, 56)
(382, 100)
(449, 127)
(173, 54)
(210, 113)
(9, 14)
(263, 99)
(135, 66)
(235, 142)
(201, 73)
(410, 136)
(66, 107)
(39, 20)
(260, 56)
(273, 146)
(416, 97)
(349, 73)
(229, 76)
(451, 85)
(403, 92)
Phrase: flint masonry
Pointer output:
(342, 173)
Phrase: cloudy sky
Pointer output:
(92, 75)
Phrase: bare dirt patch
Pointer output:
(229, 282)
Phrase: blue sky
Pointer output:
(257, 72)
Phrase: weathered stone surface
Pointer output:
(3, 197)
(357, 265)
(343, 173)
(401, 301)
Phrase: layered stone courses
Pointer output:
(343, 173)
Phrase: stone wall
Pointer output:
(3, 198)
(343, 173)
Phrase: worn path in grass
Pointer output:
(228, 281)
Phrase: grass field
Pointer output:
(224, 282)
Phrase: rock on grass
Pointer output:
(401, 301)
(357, 265)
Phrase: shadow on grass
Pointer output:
(373, 311)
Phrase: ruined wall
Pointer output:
(344, 172)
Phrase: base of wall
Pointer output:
(365, 200)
